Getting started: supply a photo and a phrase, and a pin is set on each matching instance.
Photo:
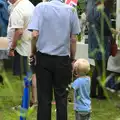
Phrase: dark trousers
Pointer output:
(19, 64)
(112, 82)
(96, 88)
(53, 73)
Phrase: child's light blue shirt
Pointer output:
(82, 101)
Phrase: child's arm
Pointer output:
(72, 86)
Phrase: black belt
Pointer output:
(45, 54)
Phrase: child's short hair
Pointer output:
(81, 67)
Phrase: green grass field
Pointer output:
(101, 110)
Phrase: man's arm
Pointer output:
(35, 26)
(17, 36)
(73, 45)
(35, 35)
(16, 23)
(75, 30)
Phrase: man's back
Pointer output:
(55, 27)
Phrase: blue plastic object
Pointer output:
(26, 96)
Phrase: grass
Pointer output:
(101, 110)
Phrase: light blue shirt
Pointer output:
(55, 22)
(82, 101)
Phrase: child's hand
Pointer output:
(11, 53)
(69, 87)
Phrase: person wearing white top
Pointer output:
(18, 36)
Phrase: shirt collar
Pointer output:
(12, 6)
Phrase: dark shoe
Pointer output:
(93, 96)
(101, 98)
(16, 74)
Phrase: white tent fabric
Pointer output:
(118, 14)
(114, 62)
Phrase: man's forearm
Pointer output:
(17, 36)
(33, 42)
(73, 50)
(33, 46)
(73, 46)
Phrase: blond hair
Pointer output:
(81, 67)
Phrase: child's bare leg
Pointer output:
(34, 89)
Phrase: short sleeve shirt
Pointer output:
(20, 17)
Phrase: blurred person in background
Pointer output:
(3, 31)
(18, 36)
(94, 50)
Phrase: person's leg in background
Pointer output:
(100, 70)
(94, 83)
(110, 82)
(20, 64)
(34, 90)
(25, 65)
(32, 69)
(62, 77)
(44, 86)
(1, 70)
(16, 64)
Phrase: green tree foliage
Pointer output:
(81, 7)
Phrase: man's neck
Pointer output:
(13, 2)
(16, 2)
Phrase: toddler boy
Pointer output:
(81, 86)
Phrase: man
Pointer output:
(55, 26)
(18, 35)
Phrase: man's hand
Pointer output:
(35, 35)
(14, 44)
(11, 53)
